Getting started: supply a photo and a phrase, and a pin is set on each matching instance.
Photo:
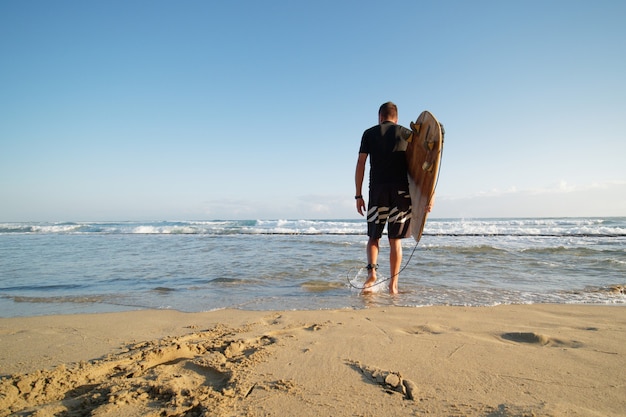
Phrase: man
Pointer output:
(389, 199)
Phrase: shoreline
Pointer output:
(537, 359)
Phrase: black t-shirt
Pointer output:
(386, 145)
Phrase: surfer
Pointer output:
(389, 199)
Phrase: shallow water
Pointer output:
(54, 268)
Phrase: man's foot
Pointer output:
(368, 287)
(393, 287)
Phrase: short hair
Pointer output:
(388, 110)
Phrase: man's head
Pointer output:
(388, 112)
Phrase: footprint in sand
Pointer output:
(539, 339)
(432, 329)
(203, 372)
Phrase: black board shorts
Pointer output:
(391, 205)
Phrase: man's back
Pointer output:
(386, 145)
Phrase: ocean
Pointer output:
(193, 266)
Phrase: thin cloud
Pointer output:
(557, 200)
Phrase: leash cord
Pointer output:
(380, 281)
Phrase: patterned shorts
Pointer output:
(389, 205)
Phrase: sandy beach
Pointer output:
(515, 360)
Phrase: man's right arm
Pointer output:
(358, 181)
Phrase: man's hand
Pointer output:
(431, 203)
(360, 206)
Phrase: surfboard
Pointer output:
(423, 155)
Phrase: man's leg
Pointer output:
(395, 262)
(372, 259)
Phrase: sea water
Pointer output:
(85, 267)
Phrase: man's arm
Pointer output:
(358, 181)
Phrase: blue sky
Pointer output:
(155, 110)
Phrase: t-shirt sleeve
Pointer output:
(364, 144)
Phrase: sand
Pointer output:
(522, 360)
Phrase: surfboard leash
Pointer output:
(443, 137)
(380, 281)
